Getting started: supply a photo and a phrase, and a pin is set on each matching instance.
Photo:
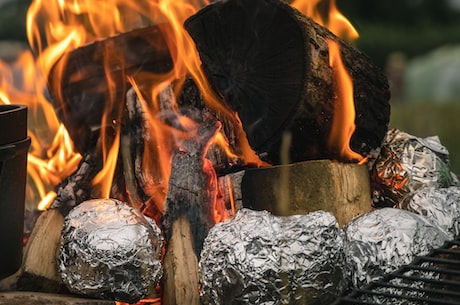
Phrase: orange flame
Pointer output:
(343, 123)
(51, 157)
(56, 27)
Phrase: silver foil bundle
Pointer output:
(381, 241)
(258, 258)
(405, 164)
(440, 206)
(110, 251)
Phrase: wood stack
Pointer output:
(267, 62)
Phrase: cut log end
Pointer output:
(342, 189)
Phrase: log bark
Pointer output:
(188, 214)
(81, 82)
(340, 188)
(270, 63)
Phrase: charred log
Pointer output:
(191, 188)
(270, 63)
(81, 82)
(188, 214)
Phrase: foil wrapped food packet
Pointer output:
(258, 258)
(381, 241)
(111, 251)
(441, 206)
(405, 164)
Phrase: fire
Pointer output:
(343, 124)
(51, 157)
(56, 27)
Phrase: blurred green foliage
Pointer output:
(413, 27)
(13, 19)
(430, 119)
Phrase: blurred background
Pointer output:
(416, 43)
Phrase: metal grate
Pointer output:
(433, 279)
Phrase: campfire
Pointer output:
(223, 153)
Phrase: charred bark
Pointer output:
(77, 187)
(82, 82)
(192, 185)
(188, 214)
(270, 64)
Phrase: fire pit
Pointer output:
(191, 118)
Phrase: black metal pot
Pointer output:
(14, 144)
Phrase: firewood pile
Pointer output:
(269, 64)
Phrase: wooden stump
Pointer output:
(340, 188)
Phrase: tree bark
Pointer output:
(92, 80)
(188, 214)
(270, 63)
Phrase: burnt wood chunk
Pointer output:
(270, 64)
(192, 185)
(188, 214)
(92, 79)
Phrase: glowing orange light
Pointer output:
(343, 124)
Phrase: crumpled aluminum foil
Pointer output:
(258, 258)
(405, 164)
(110, 251)
(440, 206)
(381, 241)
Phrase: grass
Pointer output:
(429, 119)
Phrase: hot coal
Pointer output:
(110, 251)
(440, 206)
(405, 164)
(258, 258)
(381, 241)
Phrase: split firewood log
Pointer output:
(39, 268)
(270, 63)
(342, 189)
(188, 215)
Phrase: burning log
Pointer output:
(40, 272)
(270, 64)
(80, 82)
(340, 188)
(188, 215)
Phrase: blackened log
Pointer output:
(188, 215)
(192, 185)
(82, 82)
(77, 187)
(270, 64)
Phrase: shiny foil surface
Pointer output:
(381, 241)
(440, 206)
(258, 258)
(110, 251)
(405, 164)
